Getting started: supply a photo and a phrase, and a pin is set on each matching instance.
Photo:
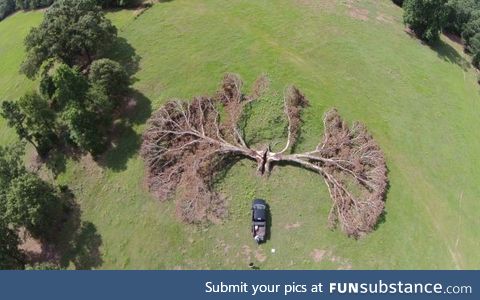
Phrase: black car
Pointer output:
(259, 220)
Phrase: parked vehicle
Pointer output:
(259, 220)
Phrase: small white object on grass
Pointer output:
(273, 250)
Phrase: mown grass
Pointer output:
(12, 84)
(420, 103)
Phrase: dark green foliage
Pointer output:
(69, 86)
(25, 201)
(398, 2)
(32, 203)
(76, 112)
(32, 119)
(86, 129)
(44, 266)
(470, 29)
(76, 98)
(118, 3)
(72, 31)
(6, 8)
(11, 166)
(11, 258)
(110, 75)
(47, 86)
(84, 110)
(426, 17)
(32, 4)
(475, 49)
(9, 6)
(460, 14)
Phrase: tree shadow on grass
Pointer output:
(86, 247)
(78, 241)
(268, 230)
(72, 242)
(135, 110)
(443, 50)
(123, 147)
(125, 141)
(122, 52)
(449, 54)
(57, 158)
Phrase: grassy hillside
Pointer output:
(422, 104)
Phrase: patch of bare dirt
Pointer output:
(350, 3)
(29, 244)
(454, 38)
(223, 246)
(316, 4)
(90, 166)
(34, 249)
(260, 255)
(359, 13)
(384, 18)
(345, 267)
(247, 252)
(318, 255)
(293, 225)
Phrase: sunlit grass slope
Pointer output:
(422, 104)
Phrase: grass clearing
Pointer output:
(421, 104)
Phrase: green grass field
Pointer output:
(422, 104)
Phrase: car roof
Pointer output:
(259, 201)
(259, 209)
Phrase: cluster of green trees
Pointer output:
(464, 20)
(79, 88)
(26, 201)
(427, 18)
(9, 6)
(119, 3)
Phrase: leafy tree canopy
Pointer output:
(6, 8)
(426, 17)
(110, 75)
(70, 87)
(73, 31)
(44, 266)
(118, 3)
(11, 258)
(11, 166)
(32, 203)
(32, 119)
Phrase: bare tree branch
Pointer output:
(187, 144)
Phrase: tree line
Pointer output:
(428, 18)
(73, 106)
(7, 7)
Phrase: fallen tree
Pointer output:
(188, 143)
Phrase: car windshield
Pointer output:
(259, 212)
